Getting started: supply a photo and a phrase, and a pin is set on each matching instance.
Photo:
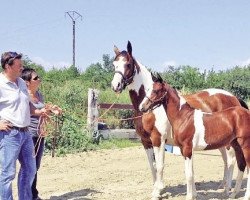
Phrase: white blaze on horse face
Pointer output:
(213, 91)
(199, 142)
(117, 79)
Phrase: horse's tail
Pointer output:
(243, 103)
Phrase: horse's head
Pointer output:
(155, 96)
(125, 68)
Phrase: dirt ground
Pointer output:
(124, 174)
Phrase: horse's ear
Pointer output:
(116, 50)
(159, 78)
(129, 48)
(154, 78)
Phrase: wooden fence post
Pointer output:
(93, 113)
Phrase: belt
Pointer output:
(22, 129)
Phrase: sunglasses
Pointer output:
(36, 78)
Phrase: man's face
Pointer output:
(16, 68)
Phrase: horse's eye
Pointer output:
(128, 65)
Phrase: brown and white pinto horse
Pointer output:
(197, 130)
(133, 75)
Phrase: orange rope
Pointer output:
(42, 123)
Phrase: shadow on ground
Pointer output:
(76, 195)
(205, 190)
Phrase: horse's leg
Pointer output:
(247, 194)
(151, 160)
(225, 177)
(241, 163)
(159, 150)
(231, 159)
(189, 172)
(245, 145)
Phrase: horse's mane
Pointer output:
(172, 91)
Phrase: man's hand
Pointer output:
(5, 125)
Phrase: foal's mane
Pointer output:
(170, 92)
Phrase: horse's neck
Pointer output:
(141, 82)
(174, 104)
(142, 77)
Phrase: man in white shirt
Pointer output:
(15, 141)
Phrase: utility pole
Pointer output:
(74, 16)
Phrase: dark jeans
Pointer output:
(39, 153)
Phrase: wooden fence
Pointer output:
(93, 116)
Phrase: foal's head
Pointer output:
(125, 68)
(155, 96)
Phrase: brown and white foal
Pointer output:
(197, 130)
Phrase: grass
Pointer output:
(117, 143)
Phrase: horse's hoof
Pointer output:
(189, 197)
(159, 185)
(233, 195)
(226, 191)
(222, 185)
(156, 193)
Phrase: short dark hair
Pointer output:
(9, 57)
(27, 73)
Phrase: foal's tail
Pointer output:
(243, 103)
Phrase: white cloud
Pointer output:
(246, 62)
(48, 64)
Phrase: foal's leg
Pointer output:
(225, 177)
(247, 194)
(241, 163)
(229, 161)
(246, 150)
(189, 171)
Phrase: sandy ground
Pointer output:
(124, 174)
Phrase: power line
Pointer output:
(74, 16)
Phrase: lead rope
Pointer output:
(42, 123)
(41, 132)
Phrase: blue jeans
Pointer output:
(14, 145)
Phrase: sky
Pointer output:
(201, 33)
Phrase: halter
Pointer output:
(129, 80)
(126, 81)
(157, 101)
